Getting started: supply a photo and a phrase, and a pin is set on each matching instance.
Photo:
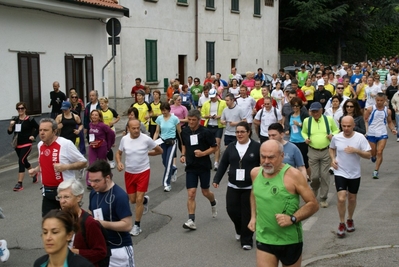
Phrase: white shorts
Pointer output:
(122, 257)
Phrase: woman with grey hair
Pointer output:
(89, 241)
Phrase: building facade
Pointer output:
(43, 41)
(169, 39)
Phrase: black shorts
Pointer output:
(342, 183)
(216, 131)
(192, 179)
(287, 254)
(229, 139)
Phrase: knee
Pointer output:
(191, 195)
(352, 198)
(205, 192)
(342, 198)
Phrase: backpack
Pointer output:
(325, 121)
(104, 262)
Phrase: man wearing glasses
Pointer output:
(109, 205)
(196, 90)
(318, 136)
(339, 92)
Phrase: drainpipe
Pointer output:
(196, 30)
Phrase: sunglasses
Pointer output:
(74, 97)
(350, 106)
(20, 108)
(340, 88)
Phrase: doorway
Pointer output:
(182, 68)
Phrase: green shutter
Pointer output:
(210, 3)
(182, 1)
(151, 60)
(210, 57)
(256, 7)
(235, 5)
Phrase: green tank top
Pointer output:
(272, 198)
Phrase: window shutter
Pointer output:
(151, 60)
(235, 5)
(256, 7)
(29, 82)
(89, 74)
(69, 73)
(210, 3)
(210, 57)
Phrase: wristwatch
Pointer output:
(293, 219)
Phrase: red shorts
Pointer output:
(137, 182)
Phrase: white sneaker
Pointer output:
(174, 176)
(238, 237)
(246, 247)
(190, 224)
(167, 188)
(397, 140)
(214, 210)
(145, 211)
(112, 164)
(136, 230)
(4, 252)
(1, 214)
(216, 166)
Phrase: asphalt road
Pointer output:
(164, 242)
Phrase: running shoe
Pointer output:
(375, 174)
(18, 187)
(136, 230)
(167, 188)
(246, 247)
(1, 214)
(373, 159)
(323, 204)
(238, 237)
(350, 226)
(4, 252)
(145, 210)
(34, 179)
(174, 175)
(214, 210)
(341, 230)
(190, 225)
(216, 166)
(112, 164)
(397, 140)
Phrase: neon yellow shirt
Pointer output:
(256, 94)
(308, 92)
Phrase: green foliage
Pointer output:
(383, 41)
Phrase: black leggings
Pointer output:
(22, 154)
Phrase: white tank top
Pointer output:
(378, 122)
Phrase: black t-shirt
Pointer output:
(56, 101)
(205, 140)
(391, 90)
(322, 96)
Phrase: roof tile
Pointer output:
(106, 3)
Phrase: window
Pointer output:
(210, 4)
(29, 82)
(151, 60)
(182, 2)
(235, 7)
(269, 3)
(210, 57)
(257, 7)
(79, 74)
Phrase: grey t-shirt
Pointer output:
(292, 155)
(234, 114)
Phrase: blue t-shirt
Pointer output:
(167, 127)
(117, 201)
(292, 155)
(295, 135)
(356, 79)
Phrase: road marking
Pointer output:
(309, 223)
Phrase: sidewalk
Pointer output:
(8, 156)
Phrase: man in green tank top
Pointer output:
(275, 211)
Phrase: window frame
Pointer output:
(269, 3)
(210, 57)
(210, 5)
(151, 61)
(235, 6)
(257, 7)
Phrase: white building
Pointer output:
(165, 39)
(43, 41)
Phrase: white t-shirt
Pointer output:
(235, 91)
(93, 107)
(247, 105)
(202, 100)
(242, 148)
(348, 164)
(371, 92)
(213, 111)
(268, 117)
(278, 95)
(136, 152)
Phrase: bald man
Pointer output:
(275, 213)
(56, 99)
(346, 149)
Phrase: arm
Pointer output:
(156, 134)
(301, 187)
(124, 225)
(360, 125)
(156, 151)
(390, 123)
(252, 222)
(118, 157)
(302, 169)
(223, 165)
(58, 121)
(367, 112)
(334, 162)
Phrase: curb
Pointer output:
(340, 254)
